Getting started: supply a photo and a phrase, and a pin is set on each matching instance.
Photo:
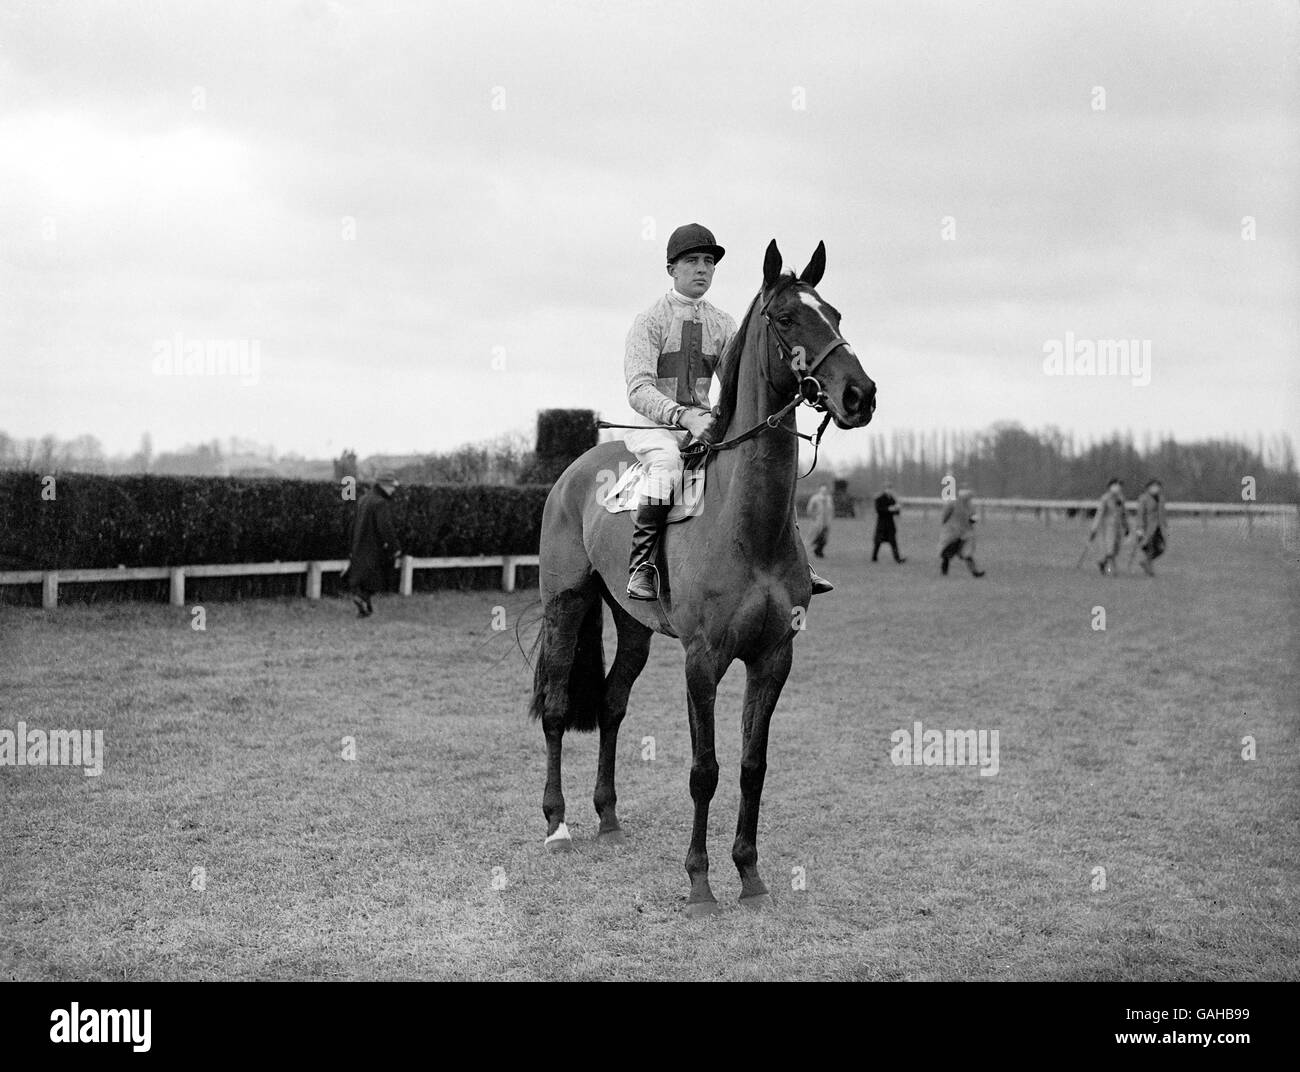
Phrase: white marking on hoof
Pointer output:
(560, 840)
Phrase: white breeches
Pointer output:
(659, 450)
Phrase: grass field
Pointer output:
(422, 858)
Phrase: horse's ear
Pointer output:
(771, 265)
(812, 275)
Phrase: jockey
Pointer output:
(672, 352)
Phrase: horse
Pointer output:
(734, 579)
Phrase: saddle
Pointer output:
(628, 492)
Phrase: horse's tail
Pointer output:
(586, 685)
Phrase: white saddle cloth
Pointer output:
(628, 492)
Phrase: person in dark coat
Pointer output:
(1152, 525)
(374, 544)
(886, 511)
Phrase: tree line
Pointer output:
(1004, 461)
(1010, 461)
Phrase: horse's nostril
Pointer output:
(852, 399)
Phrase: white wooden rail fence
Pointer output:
(49, 580)
(1286, 513)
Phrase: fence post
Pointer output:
(313, 580)
(50, 590)
(408, 575)
(508, 573)
(177, 593)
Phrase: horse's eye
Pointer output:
(785, 320)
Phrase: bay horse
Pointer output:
(734, 580)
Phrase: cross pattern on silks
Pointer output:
(683, 374)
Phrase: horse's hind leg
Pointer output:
(562, 626)
(633, 650)
(764, 679)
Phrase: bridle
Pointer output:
(810, 388)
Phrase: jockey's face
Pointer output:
(692, 274)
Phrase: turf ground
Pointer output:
(1124, 835)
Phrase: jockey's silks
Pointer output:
(672, 352)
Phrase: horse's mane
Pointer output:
(729, 364)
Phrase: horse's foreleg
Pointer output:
(764, 679)
(701, 692)
(633, 650)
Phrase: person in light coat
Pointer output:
(821, 509)
(957, 537)
(1110, 525)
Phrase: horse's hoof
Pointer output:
(757, 900)
(611, 837)
(700, 909)
(560, 841)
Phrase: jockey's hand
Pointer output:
(699, 422)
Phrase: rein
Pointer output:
(774, 421)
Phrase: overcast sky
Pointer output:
(434, 219)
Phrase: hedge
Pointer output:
(108, 521)
(562, 436)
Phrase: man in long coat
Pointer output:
(374, 544)
(1152, 525)
(957, 538)
(886, 512)
(1110, 524)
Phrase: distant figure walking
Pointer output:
(957, 539)
(821, 508)
(886, 532)
(1152, 525)
(374, 543)
(1110, 524)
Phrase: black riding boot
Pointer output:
(643, 577)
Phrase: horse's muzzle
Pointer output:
(857, 403)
